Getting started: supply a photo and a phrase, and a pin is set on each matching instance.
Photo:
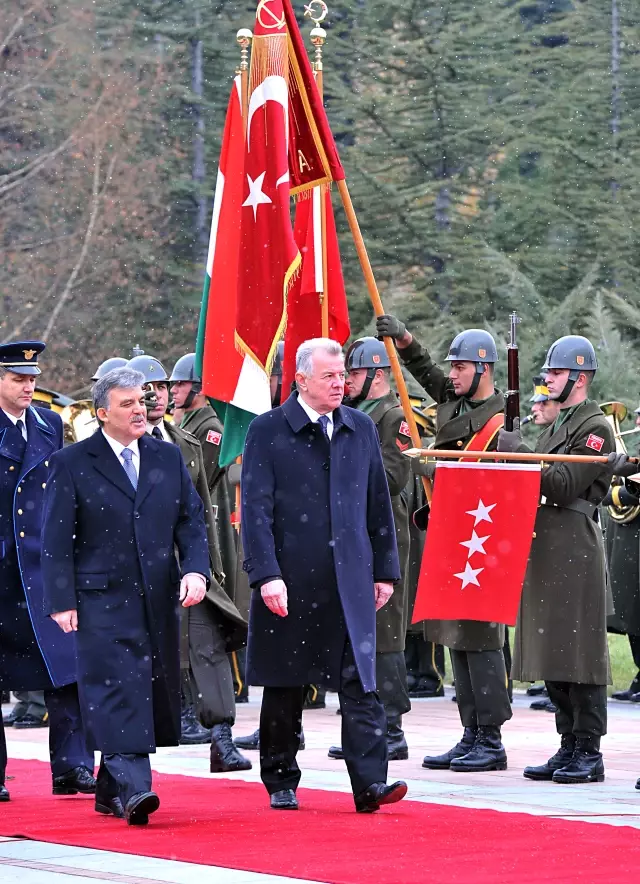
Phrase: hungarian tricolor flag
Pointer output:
(320, 277)
(253, 259)
(478, 541)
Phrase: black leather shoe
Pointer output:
(586, 765)
(543, 705)
(336, 753)
(285, 799)
(15, 715)
(378, 794)
(138, 808)
(29, 720)
(563, 756)
(623, 695)
(443, 762)
(637, 787)
(4, 794)
(537, 690)
(108, 806)
(224, 755)
(77, 780)
(192, 733)
(420, 693)
(487, 754)
(397, 749)
(315, 698)
(252, 741)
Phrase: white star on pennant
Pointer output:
(481, 513)
(469, 575)
(256, 194)
(476, 544)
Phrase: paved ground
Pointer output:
(431, 727)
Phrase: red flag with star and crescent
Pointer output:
(478, 541)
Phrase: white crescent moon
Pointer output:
(271, 89)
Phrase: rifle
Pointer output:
(512, 396)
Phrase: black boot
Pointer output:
(488, 753)
(315, 697)
(396, 743)
(586, 765)
(192, 733)
(563, 756)
(224, 755)
(443, 762)
(252, 741)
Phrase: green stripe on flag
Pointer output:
(236, 423)
(202, 326)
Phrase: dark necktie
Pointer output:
(323, 420)
(157, 434)
(130, 470)
(20, 426)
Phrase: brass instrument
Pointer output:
(615, 413)
(79, 421)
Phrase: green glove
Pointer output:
(389, 326)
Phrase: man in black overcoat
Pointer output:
(34, 654)
(117, 506)
(321, 556)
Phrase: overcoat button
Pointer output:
(19, 490)
(44, 484)
(22, 534)
(325, 466)
(19, 512)
(11, 469)
(459, 443)
(46, 463)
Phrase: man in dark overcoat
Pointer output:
(321, 555)
(117, 507)
(368, 389)
(34, 654)
(468, 414)
(561, 635)
(209, 630)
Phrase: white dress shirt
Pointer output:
(21, 417)
(315, 415)
(118, 448)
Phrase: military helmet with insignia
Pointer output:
(367, 353)
(152, 369)
(573, 352)
(473, 345)
(109, 365)
(540, 390)
(21, 357)
(185, 369)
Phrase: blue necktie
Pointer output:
(323, 420)
(130, 470)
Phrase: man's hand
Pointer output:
(274, 595)
(389, 326)
(383, 592)
(66, 620)
(192, 589)
(510, 440)
(620, 465)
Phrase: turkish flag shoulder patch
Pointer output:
(214, 437)
(404, 430)
(595, 442)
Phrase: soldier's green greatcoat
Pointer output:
(453, 431)
(561, 635)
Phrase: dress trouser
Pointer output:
(481, 688)
(391, 682)
(364, 729)
(210, 667)
(582, 708)
(634, 644)
(123, 776)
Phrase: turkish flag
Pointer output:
(478, 541)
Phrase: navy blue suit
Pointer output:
(34, 652)
(109, 552)
(318, 515)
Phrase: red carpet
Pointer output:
(228, 823)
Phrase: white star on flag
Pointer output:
(469, 575)
(476, 544)
(256, 194)
(481, 513)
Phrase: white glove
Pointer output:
(274, 595)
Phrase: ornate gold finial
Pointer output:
(243, 39)
(318, 34)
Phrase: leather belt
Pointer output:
(578, 506)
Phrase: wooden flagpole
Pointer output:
(535, 457)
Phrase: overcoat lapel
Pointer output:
(107, 464)
(40, 442)
(151, 466)
(12, 445)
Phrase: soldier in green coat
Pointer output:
(207, 635)
(561, 635)
(468, 409)
(368, 389)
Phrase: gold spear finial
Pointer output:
(243, 39)
(317, 11)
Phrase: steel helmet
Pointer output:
(473, 345)
(185, 369)
(152, 369)
(109, 365)
(573, 352)
(367, 353)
